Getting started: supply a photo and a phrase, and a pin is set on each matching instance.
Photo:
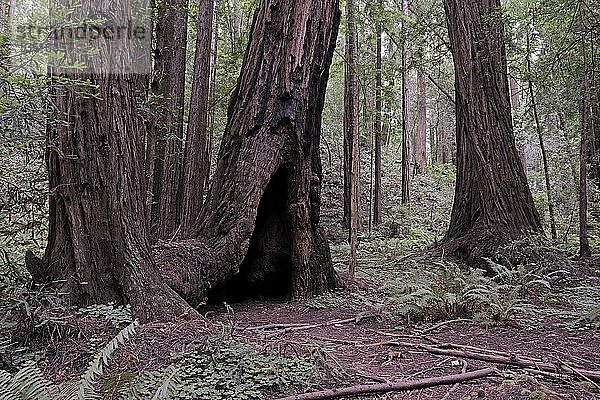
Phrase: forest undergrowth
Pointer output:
(52, 351)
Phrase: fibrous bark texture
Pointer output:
(259, 227)
(165, 139)
(261, 215)
(492, 202)
(98, 249)
(196, 166)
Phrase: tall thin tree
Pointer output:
(540, 134)
(351, 99)
(164, 151)
(405, 118)
(584, 245)
(196, 166)
(377, 217)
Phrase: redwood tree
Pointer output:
(260, 224)
(196, 166)
(165, 137)
(492, 201)
(259, 228)
(377, 217)
(98, 249)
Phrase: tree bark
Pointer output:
(421, 147)
(584, 246)
(542, 144)
(97, 249)
(377, 217)
(352, 133)
(196, 166)
(260, 224)
(405, 119)
(492, 201)
(165, 140)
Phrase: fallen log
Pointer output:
(392, 386)
(508, 359)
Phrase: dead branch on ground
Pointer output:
(392, 386)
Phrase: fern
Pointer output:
(86, 389)
(168, 386)
(29, 383)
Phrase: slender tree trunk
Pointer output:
(421, 148)
(166, 128)
(584, 246)
(595, 139)
(196, 167)
(515, 101)
(492, 201)
(542, 145)
(377, 217)
(405, 119)
(98, 249)
(259, 229)
(352, 133)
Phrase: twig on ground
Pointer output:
(303, 327)
(511, 359)
(444, 323)
(335, 340)
(392, 386)
(455, 386)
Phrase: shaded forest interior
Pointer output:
(300, 199)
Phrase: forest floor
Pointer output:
(364, 334)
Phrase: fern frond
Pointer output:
(168, 386)
(28, 383)
(86, 389)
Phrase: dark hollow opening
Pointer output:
(266, 270)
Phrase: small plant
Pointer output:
(29, 383)
(117, 315)
(450, 292)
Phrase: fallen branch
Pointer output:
(444, 323)
(303, 327)
(392, 386)
(508, 359)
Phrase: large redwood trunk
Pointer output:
(492, 202)
(260, 222)
(98, 249)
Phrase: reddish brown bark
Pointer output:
(166, 127)
(260, 222)
(197, 146)
(98, 249)
(492, 202)
(377, 203)
(351, 134)
(421, 142)
(584, 245)
(405, 119)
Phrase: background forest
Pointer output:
(389, 118)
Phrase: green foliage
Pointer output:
(117, 315)
(447, 291)
(222, 368)
(29, 383)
